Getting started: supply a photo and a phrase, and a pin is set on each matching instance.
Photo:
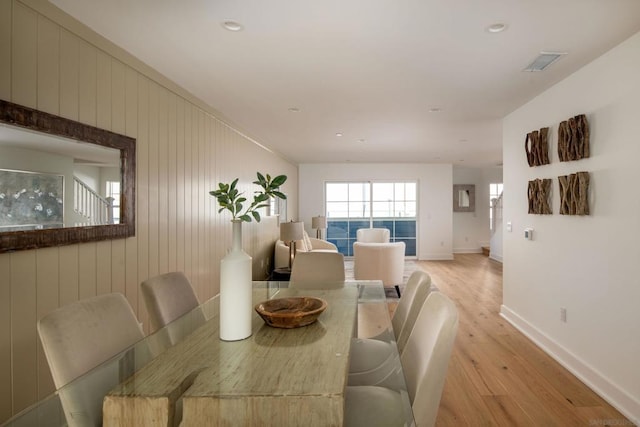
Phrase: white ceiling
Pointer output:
(370, 69)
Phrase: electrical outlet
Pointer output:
(563, 314)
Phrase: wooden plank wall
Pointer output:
(182, 151)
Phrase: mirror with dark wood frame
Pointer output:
(61, 181)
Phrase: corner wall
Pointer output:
(588, 265)
(51, 62)
(471, 229)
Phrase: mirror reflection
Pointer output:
(62, 181)
(53, 182)
(463, 198)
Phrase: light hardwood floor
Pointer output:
(496, 376)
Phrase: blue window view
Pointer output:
(354, 205)
(342, 233)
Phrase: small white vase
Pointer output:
(236, 303)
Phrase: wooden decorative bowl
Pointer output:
(292, 312)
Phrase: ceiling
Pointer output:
(400, 80)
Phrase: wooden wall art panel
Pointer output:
(539, 195)
(536, 146)
(574, 191)
(573, 139)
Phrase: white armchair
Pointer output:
(307, 244)
(379, 261)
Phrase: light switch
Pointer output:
(509, 227)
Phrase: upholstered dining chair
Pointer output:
(379, 261)
(167, 297)
(317, 270)
(425, 360)
(372, 359)
(78, 337)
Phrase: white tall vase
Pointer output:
(236, 304)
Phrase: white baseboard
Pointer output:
(467, 250)
(496, 258)
(628, 405)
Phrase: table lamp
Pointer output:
(289, 233)
(319, 223)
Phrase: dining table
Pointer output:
(184, 374)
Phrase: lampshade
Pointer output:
(319, 222)
(291, 231)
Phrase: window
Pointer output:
(495, 190)
(113, 190)
(353, 205)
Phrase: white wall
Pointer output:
(471, 229)
(589, 265)
(435, 195)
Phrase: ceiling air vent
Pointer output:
(543, 61)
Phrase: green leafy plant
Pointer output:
(231, 199)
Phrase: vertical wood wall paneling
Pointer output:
(209, 150)
(163, 181)
(131, 244)
(88, 85)
(171, 183)
(194, 202)
(5, 62)
(69, 274)
(104, 264)
(47, 298)
(5, 336)
(24, 48)
(202, 230)
(154, 242)
(188, 178)
(182, 153)
(69, 75)
(48, 66)
(104, 120)
(23, 329)
(118, 97)
(180, 186)
(87, 281)
(103, 91)
(118, 124)
(142, 190)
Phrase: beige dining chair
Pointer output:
(317, 270)
(379, 261)
(425, 360)
(372, 359)
(78, 337)
(167, 297)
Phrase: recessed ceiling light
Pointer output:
(232, 26)
(498, 27)
(361, 140)
(339, 134)
(294, 109)
(435, 110)
(462, 140)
